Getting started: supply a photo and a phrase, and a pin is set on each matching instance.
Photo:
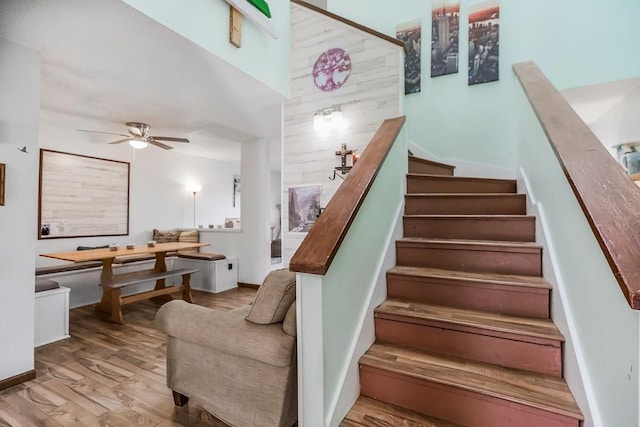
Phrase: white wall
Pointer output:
(276, 199)
(206, 23)
(574, 43)
(254, 259)
(369, 96)
(620, 123)
(19, 106)
(158, 198)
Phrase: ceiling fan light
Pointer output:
(138, 144)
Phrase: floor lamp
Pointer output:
(194, 188)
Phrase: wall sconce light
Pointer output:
(194, 188)
(348, 159)
(328, 119)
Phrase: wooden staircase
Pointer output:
(464, 337)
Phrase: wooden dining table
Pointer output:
(112, 300)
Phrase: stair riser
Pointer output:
(503, 299)
(419, 167)
(466, 205)
(454, 404)
(508, 229)
(488, 261)
(416, 184)
(471, 344)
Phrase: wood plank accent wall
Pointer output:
(608, 198)
(323, 241)
(82, 196)
(373, 93)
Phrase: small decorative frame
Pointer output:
(304, 207)
(2, 175)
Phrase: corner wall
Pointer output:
(370, 95)
(19, 108)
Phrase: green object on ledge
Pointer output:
(262, 6)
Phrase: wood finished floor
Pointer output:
(108, 374)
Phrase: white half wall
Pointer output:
(19, 107)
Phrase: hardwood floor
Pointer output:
(108, 374)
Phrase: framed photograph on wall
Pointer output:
(445, 32)
(82, 196)
(484, 42)
(304, 207)
(410, 33)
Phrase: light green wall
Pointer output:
(574, 43)
(206, 23)
(587, 304)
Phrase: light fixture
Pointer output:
(328, 119)
(138, 144)
(194, 188)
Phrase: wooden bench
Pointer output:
(112, 300)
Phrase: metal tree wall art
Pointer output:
(332, 69)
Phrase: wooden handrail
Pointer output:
(609, 199)
(315, 254)
(348, 22)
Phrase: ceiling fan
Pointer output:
(139, 136)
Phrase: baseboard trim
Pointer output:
(248, 285)
(18, 379)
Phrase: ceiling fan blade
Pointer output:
(95, 131)
(160, 144)
(168, 138)
(120, 141)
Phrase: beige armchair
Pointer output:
(239, 365)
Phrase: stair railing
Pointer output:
(341, 268)
(587, 215)
(609, 199)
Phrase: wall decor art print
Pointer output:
(484, 42)
(332, 69)
(236, 191)
(82, 196)
(410, 33)
(304, 207)
(445, 31)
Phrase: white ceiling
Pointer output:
(104, 63)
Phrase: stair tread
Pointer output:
(464, 195)
(536, 390)
(430, 162)
(457, 216)
(476, 243)
(493, 278)
(458, 178)
(487, 321)
(374, 413)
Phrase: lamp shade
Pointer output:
(138, 144)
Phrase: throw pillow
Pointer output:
(166, 236)
(274, 297)
(289, 324)
(188, 237)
